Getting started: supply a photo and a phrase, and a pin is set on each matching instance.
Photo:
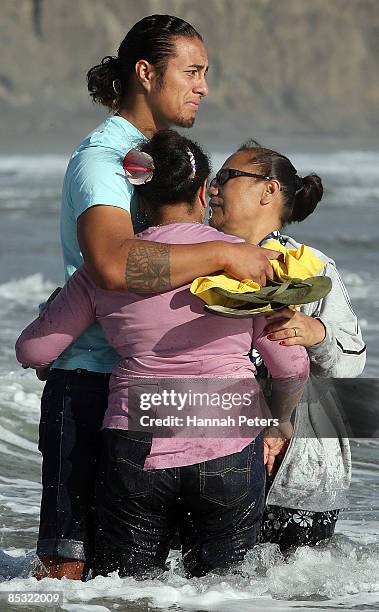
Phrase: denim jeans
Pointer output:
(72, 410)
(216, 505)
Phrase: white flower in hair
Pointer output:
(193, 163)
(138, 166)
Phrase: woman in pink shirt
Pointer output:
(148, 484)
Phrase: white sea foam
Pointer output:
(19, 482)
(16, 440)
(47, 202)
(11, 452)
(19, 506)
(26, 290)
(360, 285)
(350, 194)
(355, 280)
(24, 498)
(85, 608)
(369, 325)
(35, 165)
(19, 530)
(352, 164)
(341, 573)
(20, 398)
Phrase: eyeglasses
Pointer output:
(225, 174)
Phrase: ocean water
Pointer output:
(341, 575)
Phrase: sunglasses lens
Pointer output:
(222, 176)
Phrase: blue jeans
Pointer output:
(72, 410)
(216, 505)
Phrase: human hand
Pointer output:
(292, 327)
(250, 261)
(41, 373)
(276, 442)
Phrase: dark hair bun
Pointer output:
(169, 151)
(174, 179)
(307, 198)
(101, 79)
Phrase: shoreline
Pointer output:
(60, 134)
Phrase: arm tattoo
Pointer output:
(148, 267)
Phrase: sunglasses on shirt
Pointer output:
(225, 174)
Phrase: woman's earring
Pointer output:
(116, 86)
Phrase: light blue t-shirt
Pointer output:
(95, 176)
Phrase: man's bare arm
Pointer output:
(148, 267)
(117, 261)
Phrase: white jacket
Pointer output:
(315, 473)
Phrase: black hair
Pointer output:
(176, 178)
(300, 194)
(152, 39)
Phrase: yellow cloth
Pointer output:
(298, 263)
(202, 287)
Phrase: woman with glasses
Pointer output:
(256, 193)
(210, 488)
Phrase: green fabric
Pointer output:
(273, 297)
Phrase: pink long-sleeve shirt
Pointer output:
(160, 335)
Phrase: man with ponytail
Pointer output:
(157, 79)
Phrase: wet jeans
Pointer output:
(216, 505)
(72, 410)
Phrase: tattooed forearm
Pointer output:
(148, 267)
